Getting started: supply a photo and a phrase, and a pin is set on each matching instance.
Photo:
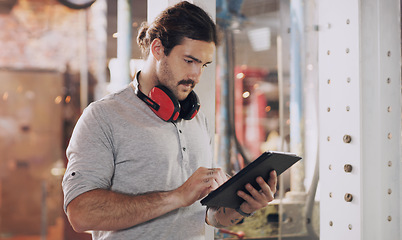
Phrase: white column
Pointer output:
(360, 119)
(381, 116)
(98, 21)
(206, 88)
(120, 67)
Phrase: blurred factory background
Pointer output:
(57, 56)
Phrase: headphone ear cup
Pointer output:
(169, 106)
(190, 106)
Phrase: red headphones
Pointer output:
(166, 106)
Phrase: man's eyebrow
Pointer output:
(196, 59)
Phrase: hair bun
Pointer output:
(142, 39)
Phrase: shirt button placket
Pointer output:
(183, 147)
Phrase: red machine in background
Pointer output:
(255, 109)
(251, 107)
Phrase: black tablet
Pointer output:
(226, 194)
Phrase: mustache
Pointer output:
(188, 81)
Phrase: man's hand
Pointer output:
(256, 200)
(203, 181)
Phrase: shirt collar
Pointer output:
(135, 84)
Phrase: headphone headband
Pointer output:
(151, 103)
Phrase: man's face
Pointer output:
(181, 70)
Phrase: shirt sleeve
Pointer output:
(90, 155)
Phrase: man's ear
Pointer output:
(157, 49)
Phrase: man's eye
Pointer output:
(188, 61)
(205, 65)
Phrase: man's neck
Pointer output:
(146, 78)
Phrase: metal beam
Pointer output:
(359, 84)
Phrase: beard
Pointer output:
(167, 79)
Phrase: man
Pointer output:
(137, 168)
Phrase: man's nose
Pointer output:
(196, 72)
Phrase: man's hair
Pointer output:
(175, 23)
